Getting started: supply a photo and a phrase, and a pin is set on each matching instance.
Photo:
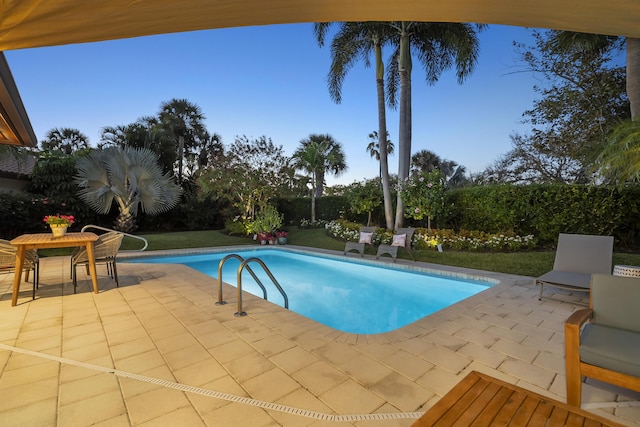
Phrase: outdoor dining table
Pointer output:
(47, 240)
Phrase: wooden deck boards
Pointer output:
(481, 400)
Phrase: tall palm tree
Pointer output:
(569, 40)
(373, 148)
(353, 42)
(438, 46)
(185, 121)
(317, 155)
(131, 177)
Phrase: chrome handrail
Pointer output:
(239, 258)
(97, 227)
(244, 263)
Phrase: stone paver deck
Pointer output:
(157, 351)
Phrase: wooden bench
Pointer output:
(481, 400)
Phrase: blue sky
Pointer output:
(271, 81)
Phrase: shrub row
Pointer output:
(547, 210)
(543, 211)
(448, 239)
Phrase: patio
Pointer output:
(157, 351)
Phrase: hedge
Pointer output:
(546, 210)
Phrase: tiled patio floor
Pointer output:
(157, 351)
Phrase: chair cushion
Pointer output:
(365, 237)
(611, 348)
(615, 301)
(399, 240)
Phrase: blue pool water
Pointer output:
(347, 295)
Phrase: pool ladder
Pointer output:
(244, 263)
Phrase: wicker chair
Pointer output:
(401, 239)
(8, 254)
(366, 238)
(105, 251)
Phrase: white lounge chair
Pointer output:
(577, 257)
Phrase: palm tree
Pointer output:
(65, 140)
(146, 132)
(131, 177)
(619, 162)
(438, 47)
(373, 148)
(317, 155)
(426, 160)
(185, 121)
(597, 43)
(355, 41)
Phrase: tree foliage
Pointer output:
(247, 174)
(582, 98)
(423, 193)
(364, 196)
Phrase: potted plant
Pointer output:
(263, 237)
(282, 237)
(59, 223)
(267, 221)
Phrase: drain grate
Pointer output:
(219, 395)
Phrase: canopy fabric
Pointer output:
(36, 23)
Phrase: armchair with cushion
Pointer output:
(608, 347)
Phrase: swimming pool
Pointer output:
(346, 294)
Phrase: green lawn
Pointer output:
(523, 263)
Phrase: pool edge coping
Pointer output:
(401, 264)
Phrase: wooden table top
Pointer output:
(481, 400)
(46, 240)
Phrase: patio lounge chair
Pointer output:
(366, 238)
(608, 348)
(577, 257)
(8, 254)
(105, 251)
(401, 239)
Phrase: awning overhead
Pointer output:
(37, 23)
(15, 128)
(34, 23)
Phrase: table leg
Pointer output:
(92, 266)
(18, 275)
